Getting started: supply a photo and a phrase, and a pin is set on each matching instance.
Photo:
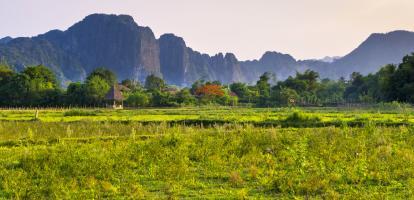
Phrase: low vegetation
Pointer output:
(300, 119)
(79, 112)
(141, 154)
(86, 160)
(286, 117)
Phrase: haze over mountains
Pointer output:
(133, 52)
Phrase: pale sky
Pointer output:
(303, 28)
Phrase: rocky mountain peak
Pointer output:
(174, 58)
(5, 40)
(105, 18)
(230, 57)
(272, 56)
(172, 38)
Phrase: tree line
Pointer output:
(38, 86)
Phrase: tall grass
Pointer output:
(79, 112)
(114, 160)
(306, 117)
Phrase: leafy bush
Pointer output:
(138, 99)
(301, 119)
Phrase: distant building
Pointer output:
(114, 98)
(171, 90)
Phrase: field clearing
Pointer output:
(138, 154)
(328, 116)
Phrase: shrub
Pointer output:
(212, 90)
(300, 119)
(235, 179)
(138, 99)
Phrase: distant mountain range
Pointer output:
(5, 40)
(330, 59)
(133, 52)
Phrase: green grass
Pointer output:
(78, 112)
(274, 116)
(123, 155)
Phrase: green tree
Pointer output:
(6, 73)
(105, 74)
(385, 81)
(310, 78)
(41, 78)
(401, 86)
(355, 88)
(242, 91)
(138, 99)
(288, 97)
(43, 88)
(331, 92)
(197, 84)
(15, 92)
(364, 89)
(305, 83)
(96, 89)
(154, 83)
(184, 97)
(263, 87)
(76, 94)
(229, 100)
(161, 99)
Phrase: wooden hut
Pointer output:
(114, 98)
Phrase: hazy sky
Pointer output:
(248, 28)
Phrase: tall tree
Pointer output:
(385, 82)
(154, 83)
(41, 78)
(263, 87)
(403, 80)
(43, 88)
(138, 99)
(241, 90)
(76, 94)
(331, 92)
(105, 74)
(15, 92)
(184, 97)
(96, 89)
(6, 73)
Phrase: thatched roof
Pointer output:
(123, 88)
(114, 93)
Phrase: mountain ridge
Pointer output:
(5, 40)
(133, 52)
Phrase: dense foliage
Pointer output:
(38, 86)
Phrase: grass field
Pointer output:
(208, 152)
(220, 115)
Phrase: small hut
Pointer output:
(114, 98)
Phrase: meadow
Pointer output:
(208, 152)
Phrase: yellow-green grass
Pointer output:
(226, 114)
(226, 153)
(116, 160)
